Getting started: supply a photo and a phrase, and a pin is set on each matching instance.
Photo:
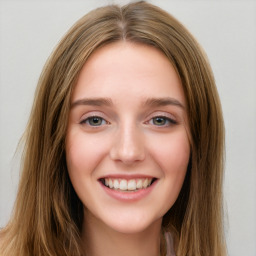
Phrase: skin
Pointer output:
(134, 136)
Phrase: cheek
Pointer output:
(173, 159)
(76, 154)
(82, 152)
(83, 155)
(172, 153)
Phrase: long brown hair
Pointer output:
(48, 214)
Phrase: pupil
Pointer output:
(159, 121)
(95, 121)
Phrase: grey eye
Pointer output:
(159, 121)
(94, 121)
(162, 121)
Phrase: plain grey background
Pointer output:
(29, 30)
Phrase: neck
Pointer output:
(101, 240)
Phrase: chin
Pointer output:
(133, 225)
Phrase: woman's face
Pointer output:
(127, 145)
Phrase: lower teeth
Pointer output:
(118, 189)
(137, 189)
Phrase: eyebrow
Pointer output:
(160, 102)
(92, 102)
(151, 102)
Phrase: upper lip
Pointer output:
(127, 176)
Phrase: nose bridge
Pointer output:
(128, 145)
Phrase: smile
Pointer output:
(126, 185)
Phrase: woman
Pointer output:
(124, 147)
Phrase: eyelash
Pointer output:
(167, 121)
(87, 120)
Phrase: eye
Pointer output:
(162, 121)
(94, 121)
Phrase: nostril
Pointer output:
(128, 147)
(127, 156)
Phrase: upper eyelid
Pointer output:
(162, 114)
(93, 114)
(170, 120)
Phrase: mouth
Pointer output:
(127, 185)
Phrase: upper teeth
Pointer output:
(124, 184)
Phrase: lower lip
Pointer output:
(128, 196)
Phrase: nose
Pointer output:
(128, 145)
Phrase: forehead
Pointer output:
(130, 69)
